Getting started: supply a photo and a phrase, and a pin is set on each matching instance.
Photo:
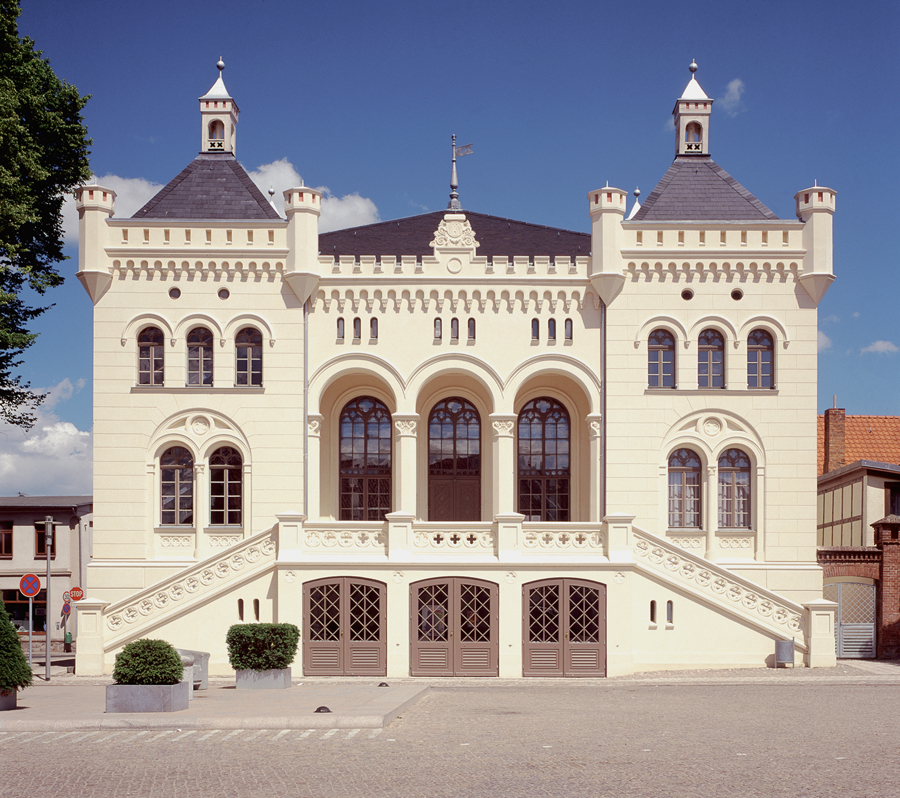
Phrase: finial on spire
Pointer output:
(637, 204)
(453, 205)
(693, 66)
(220, 64)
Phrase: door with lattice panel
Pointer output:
(344, 627)
(564, 628)
(453, 627)
(854, 626)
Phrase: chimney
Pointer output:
(834, 439)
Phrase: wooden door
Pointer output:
(453, 627)
(564, 628)
(344, 627)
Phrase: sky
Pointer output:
(361, 99)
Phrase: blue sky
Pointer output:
(558, 98)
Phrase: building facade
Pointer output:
(456, 444)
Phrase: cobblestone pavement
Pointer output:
(791, 738)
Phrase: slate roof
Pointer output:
(212, 186)
(874, 438)
(39, 502)
(414, 234)
(695, 189)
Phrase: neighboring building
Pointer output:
(23, 551)
(522, 450)
(858, 515)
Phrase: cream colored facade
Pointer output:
(708, 595)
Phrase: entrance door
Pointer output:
(564, 630)
(344, 627)
(855, 622)
(453, 628)
(454, 461)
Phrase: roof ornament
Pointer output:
(693, 66)
(220, 64)
(637, 204)
(465, 149)
(272, 195)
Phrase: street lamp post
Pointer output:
(48, 547)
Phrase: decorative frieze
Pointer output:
(460, 539)
(344, 539)
(563, 540)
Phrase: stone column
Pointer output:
(596, 476)
(712, 510)
(503, 461)
(201, 510)
(405, 469)
(89, 651)
(820, 633)
(313, 466)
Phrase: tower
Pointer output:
(691, 114)
(218, 118)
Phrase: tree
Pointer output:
(43, 155)
(15, 672)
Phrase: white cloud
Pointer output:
(879, 347)
(731, 103)
(131, 195)
(54, 457)
(856, 314)
(832, 318)
(278, 175)
(823, 342)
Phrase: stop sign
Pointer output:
(76, 594)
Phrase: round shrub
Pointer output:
(15, 672)
(148, 662)
(262, 646)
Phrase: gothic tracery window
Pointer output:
(365, 460)
(544, 460)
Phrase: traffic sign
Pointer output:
(76, 594)
(66, 597)
(67, 608)
(29, 585)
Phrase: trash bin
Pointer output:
(67, 643)
(784, 652)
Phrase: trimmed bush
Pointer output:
(15, 673)
(148, 662)
(262, 646)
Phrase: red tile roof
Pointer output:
(874, 438)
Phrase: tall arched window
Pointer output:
(535, 330)
(365, 460)
(357, 329)
(568, 329)
(760, 360)
(438, 331)
(661, 359)
(684, 490)
(200, 356)
(551, 329)
(454, 462)
(248, 349)
(454, 329)
(340, 328)
(711, 360)
(176, 475)
(373, 329)
(471, 329)
(734, 489)
(151, 356)
(543, 461)
(226, 473)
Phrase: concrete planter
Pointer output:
(147, 697)
(8, 701)
(276, 679)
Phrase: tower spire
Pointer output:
(691, 113)
(454, 205)
(218, 117)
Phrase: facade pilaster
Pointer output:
(503, 427)
(405, 493)
(313, 466)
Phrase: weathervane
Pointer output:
(458, 152)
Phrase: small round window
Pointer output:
(174, 293)
(737, 294)
(687, 294)
(224, 293)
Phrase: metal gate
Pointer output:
(344, 627)
(855, 622)
(453, 627)
(564, 628)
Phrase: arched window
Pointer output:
(226, 471)
(216, 129)
(151, 356)
(684, 490)
(176, 475)
(200, 356)
(248, 351)
(711, 360)
(543, 461)
(693, 132)
(568, 329)
(454, 329)
(661, 359)
(760, 360)
(438, 331)
(373, 329)
(357, 329)
(365, 460)
(471, 329)
(551, 330)
(340, 328)
(734, 489)
(535, 330)
(454, 462)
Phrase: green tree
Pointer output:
(15, 672)
(43, 155)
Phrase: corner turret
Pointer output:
(692, 111)
(218, 118)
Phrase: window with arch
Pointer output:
(693, 132)
(248, 357)
(226, 476)
(535, 330)
(365, 460)
(684, 490)
(438, 330)
(661, 359)
(471, 329)
(454, 461)
(454, 329)
(216, 129)
(711, 360)
(568, 329)
(200, 356)
(544, 460)
(340, 328)
(760, 360)
(373, 329)
(151, 356)
(551, 329)
(734, 489)
(357, 329)
(176, 480)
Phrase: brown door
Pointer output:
(564, 630)
(453, 627)
(344, 627)
(454, 461)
